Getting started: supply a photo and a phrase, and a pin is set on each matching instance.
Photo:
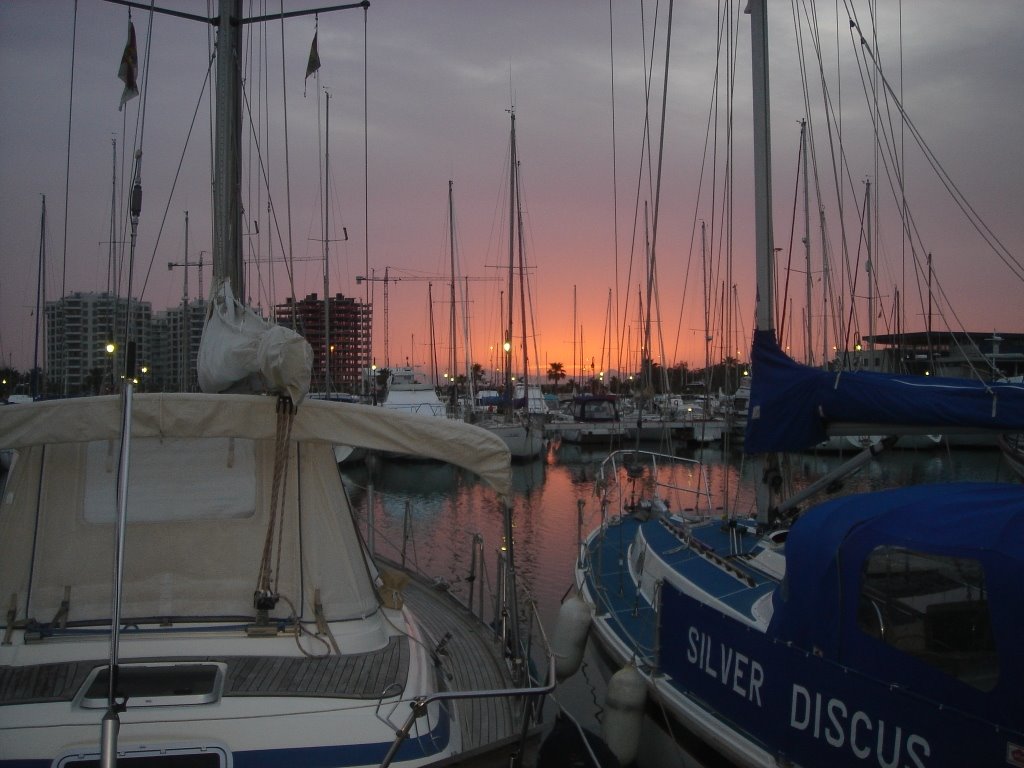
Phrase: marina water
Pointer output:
(429, 513)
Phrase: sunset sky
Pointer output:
(441, 76)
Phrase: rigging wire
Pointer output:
(67, 194)
(615, 190)
(174, 181)
(289, 266)
(648, 69)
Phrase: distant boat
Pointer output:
(408, 393)
(519, 426)
(593, 419)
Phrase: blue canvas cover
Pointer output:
(827, 546)
(791, 405)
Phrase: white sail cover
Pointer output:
(242, 352)
(200, 481)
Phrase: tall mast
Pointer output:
(575, 360)
(185, 317)
(40, 299)
(522, 294)
(869, 268)
(763, 240)
(227, 180)
(327, 241)
(511, 260)
(808, 347)
(453, 356)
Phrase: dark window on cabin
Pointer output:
(932, 607)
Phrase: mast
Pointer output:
(808, 348)
(453, 355)
(40, 299)
(470, 377)
(185, 318)
(763, 241)
(575, 360)
(511, 262)
(826, 287)
(227, 180)
(522, 295)
(869, 268)
(764, 253)
(327, 241)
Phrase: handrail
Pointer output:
(419, 705)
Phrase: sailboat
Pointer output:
(523, 436)
(185, 583)
(872, 629)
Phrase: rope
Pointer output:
(266, 595)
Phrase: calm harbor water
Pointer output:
(437, 509)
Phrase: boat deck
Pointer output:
(351, 676)
(727, 579)
(474, 662)
(471, 658)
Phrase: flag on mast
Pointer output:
(314, 61)
(129, 69)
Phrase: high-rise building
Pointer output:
(342, 354)
(177, 333)
(85, 341)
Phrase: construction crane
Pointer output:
(387, 278)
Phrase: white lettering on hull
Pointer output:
(867, 738)
(818, 715)
(738, 672)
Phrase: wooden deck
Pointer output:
(473, 661)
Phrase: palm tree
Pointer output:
(478, 373)
(556, 372)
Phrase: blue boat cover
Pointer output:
(827, 546)
(791, 405)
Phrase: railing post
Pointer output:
(371, 539)
(579, 532)
(499, 597)
(472, 570)
(656, 602)
(406, 529)
(483, 567)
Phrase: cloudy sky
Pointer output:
(440, 78)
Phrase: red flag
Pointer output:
(129, 69)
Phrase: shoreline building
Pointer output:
(346, 344)
(79, 328)
(178, 333)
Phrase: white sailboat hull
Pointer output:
(323, 675)
(523, 442)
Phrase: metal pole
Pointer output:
(371, 542)
(111, 723)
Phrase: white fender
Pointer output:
(624, 713)
(570, 638)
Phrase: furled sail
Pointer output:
(794, 407)
(241, 352)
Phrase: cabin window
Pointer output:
(173, 479)
(932, 607)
